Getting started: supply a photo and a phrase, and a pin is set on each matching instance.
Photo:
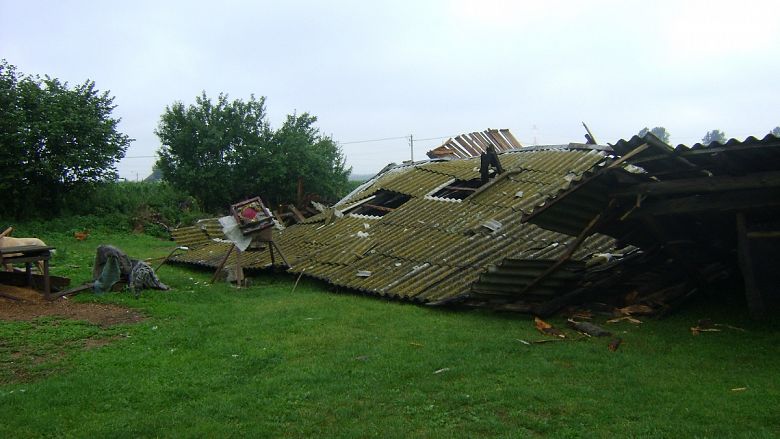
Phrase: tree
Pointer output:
(54, 141)
(226, 151)
(713, 136)
(299, 151)
(775, 132)
(659, 132)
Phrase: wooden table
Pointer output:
(28, 254)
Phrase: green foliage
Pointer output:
(659, 132)
(775, 131)
(714, 136)
(54, 140)
(225, 151)
(119, 207)
(299, 151)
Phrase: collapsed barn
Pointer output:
(487, 222)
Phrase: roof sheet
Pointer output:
(428, 249)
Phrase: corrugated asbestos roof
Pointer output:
(428, 249)
(731, 158)
(570, 210)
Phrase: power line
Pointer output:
(340, 143)
(373, 140)
(395, 138)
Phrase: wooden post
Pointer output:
(28, 271)
(755, 301)
(239, 271)
(46, 280)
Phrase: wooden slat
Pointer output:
(478, 139)
(467, 146)
(460, 188)
(377, 207)
(463, 147)
(703, 184)
(728, 202)
(28, 249)
(498, 140)
(298, 215)
(508, 135)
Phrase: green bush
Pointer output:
(150, 207)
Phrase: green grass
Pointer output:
(214, 361)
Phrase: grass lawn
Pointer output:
(214, 361)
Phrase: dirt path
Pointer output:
(25, 304)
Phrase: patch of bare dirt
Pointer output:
(93, 343)
(25, 304)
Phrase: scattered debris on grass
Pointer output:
(615, 344)
(707, 325)
(635, 310)
(625, 319)
(548, 329)
(588, 328)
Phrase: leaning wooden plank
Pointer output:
(298, 215)
(567, 255)
(222, 264)
(72, 291)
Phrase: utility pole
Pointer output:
(411, 146)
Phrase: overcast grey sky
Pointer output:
(378, 69)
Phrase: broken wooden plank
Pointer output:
(568, 254)
(71, 291)
(588, 328)
(297, 213)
